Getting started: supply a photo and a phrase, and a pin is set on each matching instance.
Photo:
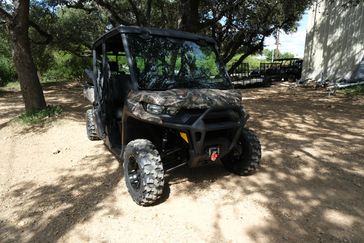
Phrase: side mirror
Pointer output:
(90, 77)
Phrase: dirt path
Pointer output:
(55, 185)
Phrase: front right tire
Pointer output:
(143, 172)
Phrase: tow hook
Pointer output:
(214, 156)
(214, 153)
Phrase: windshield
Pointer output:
(168, 63)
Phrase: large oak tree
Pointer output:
(238, 26)
(16, 18)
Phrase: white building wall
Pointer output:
(334, 42)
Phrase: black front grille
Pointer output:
(229, 115)
(190, 116)
(226, 133)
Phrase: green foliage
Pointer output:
(357, 90)
(7, 70)
(237, 26)
(38, 117)
(254, 61)
(65, 67)
(73, 32)
(247, 23)
(43, 57)
(268, 54)
(76, 30)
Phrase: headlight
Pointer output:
(158, 109)
(154, 109)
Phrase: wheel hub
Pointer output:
(134, 173)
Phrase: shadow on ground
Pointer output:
(311, 181)
(66, 94)
(312, 174)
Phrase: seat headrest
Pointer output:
(113, 66)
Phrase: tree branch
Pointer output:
(42, 32)
(233, 46)
(253, 49)
(136, 12)
(220, 14)
(115, 18)
(80, 5)
(113, 13)
(148, 11)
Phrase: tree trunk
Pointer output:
(31, 89)
(190, 15)
(238, 62)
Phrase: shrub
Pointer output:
(7, 71)
(65, 67)
(357, 90)
(37, 117)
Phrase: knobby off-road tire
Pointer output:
(90, 126)
(245, 157)
(143, 172)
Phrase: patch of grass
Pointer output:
(11, 86)
(38, 117)
(354, 90)
(15, 86)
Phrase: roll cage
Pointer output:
(115, 42)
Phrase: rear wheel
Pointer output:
(143, 172)
(90, 126)
(244, 159)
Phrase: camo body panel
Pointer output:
(138, 110)
(181, 98)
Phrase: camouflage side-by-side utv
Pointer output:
(161, 99)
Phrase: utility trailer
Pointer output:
(282, 69)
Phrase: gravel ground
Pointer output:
(55, 185)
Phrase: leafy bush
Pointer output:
(7, 71)
(357, 90)
(65, 67)
(37, 117)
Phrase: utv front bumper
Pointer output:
(214, 128)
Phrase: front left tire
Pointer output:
(143, 172)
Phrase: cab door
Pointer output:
(99, 89)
